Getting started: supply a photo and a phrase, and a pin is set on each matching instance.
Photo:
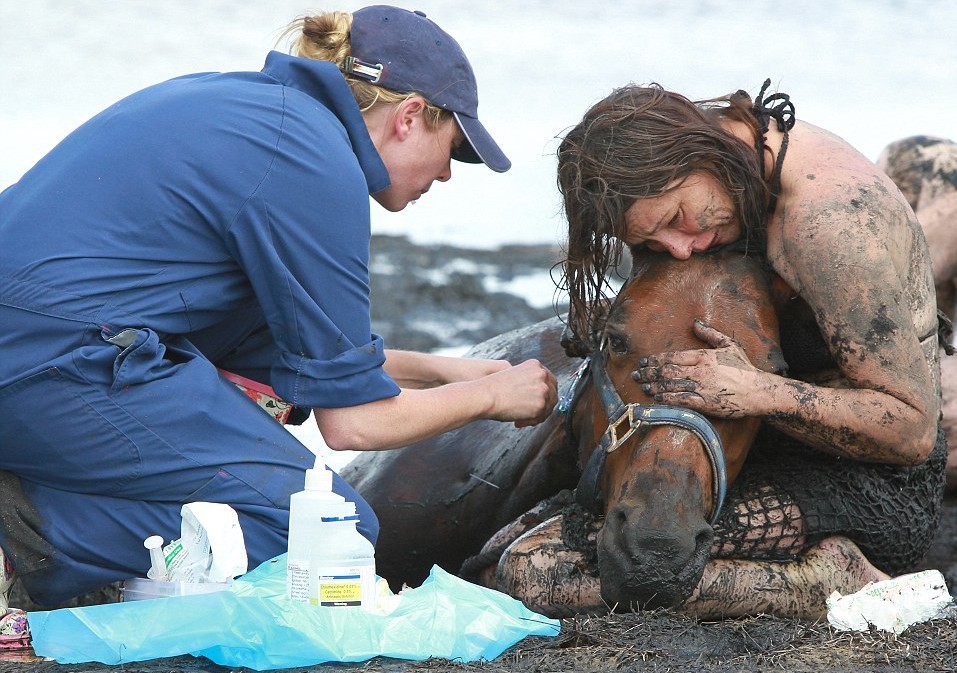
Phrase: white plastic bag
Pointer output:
(211, 547)
(894, 604)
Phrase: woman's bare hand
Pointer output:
(525, 393)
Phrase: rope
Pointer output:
(779, 107)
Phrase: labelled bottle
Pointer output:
(306, 530)
(342, 568)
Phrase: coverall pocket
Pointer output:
(65, 433)
(143, 358)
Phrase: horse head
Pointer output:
(656, 473)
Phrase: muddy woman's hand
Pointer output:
(715, 381)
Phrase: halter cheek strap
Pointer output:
(625, 419)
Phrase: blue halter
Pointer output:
(625, 419)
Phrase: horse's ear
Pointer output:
(574, 347)
(579, 348)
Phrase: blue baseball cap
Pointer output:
(406, 52)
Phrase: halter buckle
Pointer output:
(634, 423)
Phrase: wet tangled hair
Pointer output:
(325, 37)
(637, 143)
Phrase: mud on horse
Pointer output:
(655, 474)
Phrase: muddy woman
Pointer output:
(844, 485)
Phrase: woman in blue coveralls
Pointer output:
(221, 221)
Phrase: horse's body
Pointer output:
(439, 501)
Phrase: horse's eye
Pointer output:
(617, 344)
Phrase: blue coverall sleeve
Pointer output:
(302, 238)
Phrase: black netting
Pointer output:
(579, 533)
(760, 524)
(890, 512)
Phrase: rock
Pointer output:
(427, 297)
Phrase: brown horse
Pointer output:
(658, 486)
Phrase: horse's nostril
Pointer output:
(621, 516)
(704, 538)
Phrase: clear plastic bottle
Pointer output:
(306, 530)
(342, 568)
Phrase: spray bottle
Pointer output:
(306, 531)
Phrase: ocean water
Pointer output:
(871, 71)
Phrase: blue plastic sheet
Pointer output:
(253, 625)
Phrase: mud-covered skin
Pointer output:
(542, 572)
(925, 169)
(731, 588)
(844, 241)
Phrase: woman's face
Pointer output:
(423, 157)
(693, 217)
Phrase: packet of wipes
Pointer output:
(894, 604)
(211, 547)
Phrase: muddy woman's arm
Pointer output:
(852, 266)
(845, 240)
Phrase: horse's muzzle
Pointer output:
(649, 566)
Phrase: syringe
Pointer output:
(157, 569)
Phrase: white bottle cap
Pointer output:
(319, 478)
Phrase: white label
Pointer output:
(297, 581)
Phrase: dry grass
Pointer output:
(650, 641)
